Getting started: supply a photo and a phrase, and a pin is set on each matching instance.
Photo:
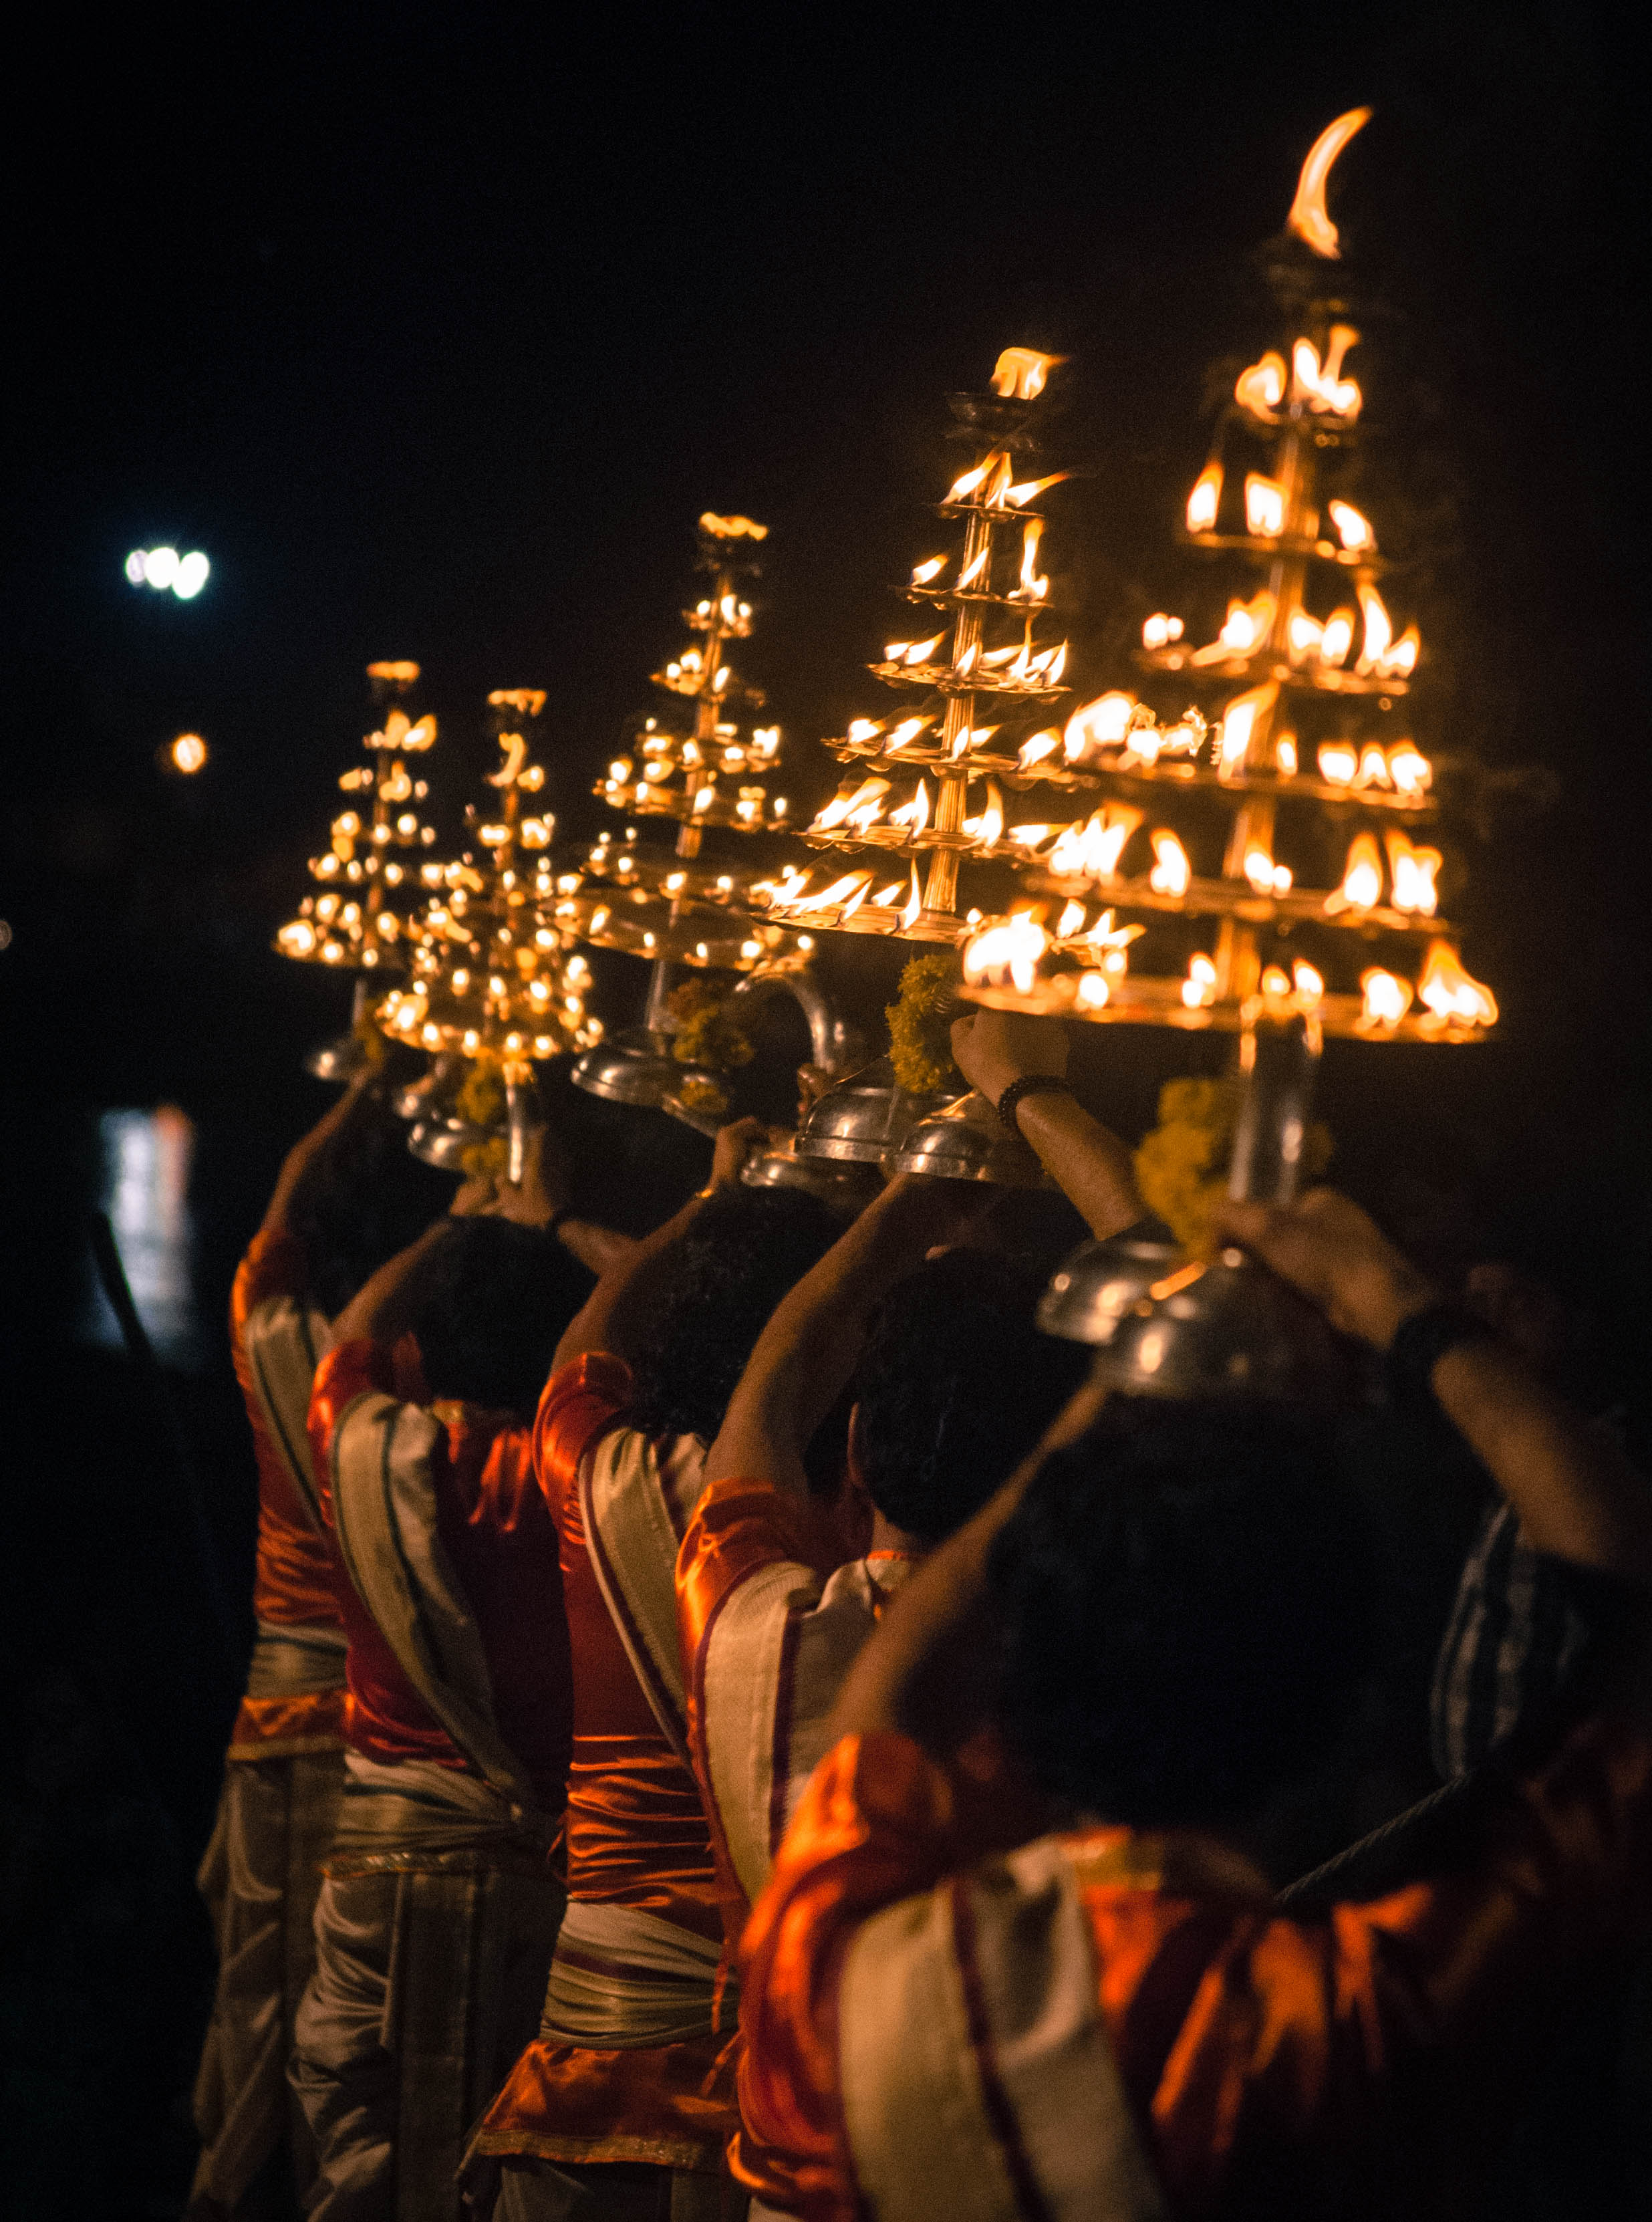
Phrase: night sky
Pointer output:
(436, 329)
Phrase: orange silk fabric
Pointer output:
(1352, 2063)
(637, 1837)
(294, 1579)
(284, 1727)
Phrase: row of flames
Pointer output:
(1009, 952)
(1118, 722)
(1312, 644)
(1267, 505)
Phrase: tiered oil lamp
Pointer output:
(492, 985)
(983, 670)
(682, 910)
(366, 881)
(1295, 756)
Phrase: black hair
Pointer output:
(364, 1200)
(955, 1387)
(498, 1298)
(692, 1334)
(1187, 1600)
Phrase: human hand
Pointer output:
(474, 1198)
(993, 1048)
(1339, 1258)
(735, 1144)
(543, 1188)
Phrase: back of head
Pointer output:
(1186, 1598)
(364, 1200)
(716, 1288)
(954, 1387)
(497, 1300)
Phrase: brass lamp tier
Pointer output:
(1141, 1000)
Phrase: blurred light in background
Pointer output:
(188, 752)
(146, 1157)
(164, 567)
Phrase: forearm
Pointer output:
(1577, 1497)
(1087, 1161)
(599, 1249)
(803, 1359)
(592, 1328)
(385, 1309)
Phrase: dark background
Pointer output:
(435, 330)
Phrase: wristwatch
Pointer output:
(1419, 1343)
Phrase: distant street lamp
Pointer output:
(161, 568)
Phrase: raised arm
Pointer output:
(1086, 1160)
(594, 1326)
(1577, 1497)
(804, 1358)
(299, 1165)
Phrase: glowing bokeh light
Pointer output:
(189, 752)
(162, 568)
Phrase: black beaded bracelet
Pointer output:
(1030, 1084)
(1420, 1341)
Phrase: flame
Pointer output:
(904, 734)
(1304, 636)
(1352, 530)
(973, 570)
(847, 800)
(852, 884)
(1379, 629)
(914, 908)
(1171, 872)
(920, 651)
(1361, 887)
(1205, 499)
(961, 489)
(1032, 586)
(1040, 746)
(395, 674)
(1246, 626)
(1031, 837)
(1308, 983)
(1317, 384)
(1014, 945)
(1160, 630)
(1070, 922)
(1284, 756)
(915, 815)
(1338, 762)
(1239, 723)
(1091, 992)
(923, 573)
(1267, 878)
(1401, 660)
(1374, 767)
(1276, 982)
(731, 528)
(1409, 770)
(1021, 374)
(1095, 848)
(1387, 997)
(1264, 506)
(1018, 497)
(1337, 638)
(1308, 218)
(1262, 387)
(1199, 988)
(1412, 873)
(987, 829)
(885, 897)
(1098, 725)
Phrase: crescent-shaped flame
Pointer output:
(1308, 218)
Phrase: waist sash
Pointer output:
(296, 1662)
(414, 1806)
(385, 1514)
(285, 1342)
(622, 1979)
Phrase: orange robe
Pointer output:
(637, 1838)
(493, 1524)
(1136, 2031)
(295, 1582)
